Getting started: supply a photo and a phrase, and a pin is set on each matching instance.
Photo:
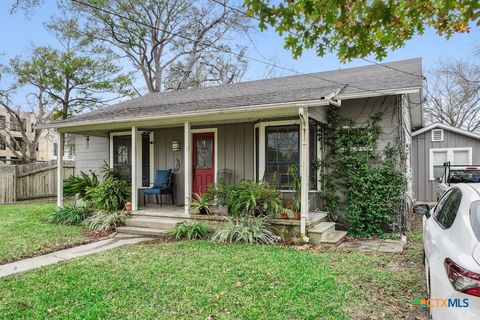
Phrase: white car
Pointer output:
(451, 239)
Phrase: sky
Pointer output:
(19, 34)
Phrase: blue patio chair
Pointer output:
(163, 184)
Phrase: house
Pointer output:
(432, 146)
(47, 143)
(245, 130)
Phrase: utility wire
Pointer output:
(229, 51)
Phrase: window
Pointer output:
(146, 159)
(277, 146)
(448, 208)
(2, 143)
(437, 135)
(281, 151)
(55, 149)
(456, 156)
(122, 156)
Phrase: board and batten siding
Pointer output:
(424, 188)
(235, 152)
(91, 154)
(388, 107)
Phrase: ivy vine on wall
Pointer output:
(366, 183)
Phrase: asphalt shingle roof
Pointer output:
(313, 86)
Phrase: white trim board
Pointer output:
(450, 157)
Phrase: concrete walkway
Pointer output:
(67, 254)
(376, 245)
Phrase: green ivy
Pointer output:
(360, 180)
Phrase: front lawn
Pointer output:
(203, 280)
(24, 231)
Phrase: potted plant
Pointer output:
(296, 185)
(285, 213)
(201, 203)
(296, 209)
(219, 193)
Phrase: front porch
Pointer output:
(202, 150)
(157, 221)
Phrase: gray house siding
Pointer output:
(235, 152)
(424, 188)
(91, 154)
(361, 111)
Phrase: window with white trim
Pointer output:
(437, 135)
(277, 146)
(456, 156)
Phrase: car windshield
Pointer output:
(464, 176)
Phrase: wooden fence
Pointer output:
(31, 181)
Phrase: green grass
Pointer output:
(24, 231)
(203, 280)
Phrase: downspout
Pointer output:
(303, 173)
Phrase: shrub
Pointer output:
(250, 198)
(110, 195)
(201, 203)
(102, 221)
(79, 185)
(246, 230)
(189, 230)
(70, 215)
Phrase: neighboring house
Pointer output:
(47, 143)
(434, 145)
(246, 130)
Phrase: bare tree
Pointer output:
(454, 95)
(23, 122)
(184, 41)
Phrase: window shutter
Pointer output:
(437, 135)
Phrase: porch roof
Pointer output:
(367, 80)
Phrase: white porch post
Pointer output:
(61, 139)
(304, 169)
(134, 169)
(187, 166)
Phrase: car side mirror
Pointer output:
(422, 209)
(439, 179)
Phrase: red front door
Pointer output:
(203, 161)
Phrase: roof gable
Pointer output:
(438, 125)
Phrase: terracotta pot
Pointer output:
(284, 215)
(128, 206)
(296, 215)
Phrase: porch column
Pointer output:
(304, 169)
(134, 169)
(187, 157)
(61, 139)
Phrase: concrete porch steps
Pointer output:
(325, 234)
(166, 223)
(154, 232)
